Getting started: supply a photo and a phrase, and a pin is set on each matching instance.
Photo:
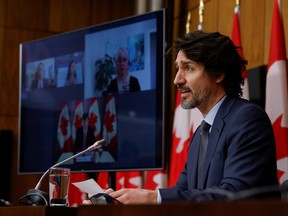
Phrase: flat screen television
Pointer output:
(74, 90)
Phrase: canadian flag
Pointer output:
(276, 91)
(77, 121)
(103, 180)
(95, 123)
(185, 123)
(127, 179)
(94, 118)
(156, 179)
(110, 126)
(124, 179)
(236, 38)
(75, 196)
(64, 130)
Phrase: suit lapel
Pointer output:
(193, 159)
(216, 131)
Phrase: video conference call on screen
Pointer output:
(70, 97)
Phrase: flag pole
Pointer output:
(237, 7)
(201, 13)
(188, 22)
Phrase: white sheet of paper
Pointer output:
(89, 186)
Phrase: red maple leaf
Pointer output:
(63, 126)
(281, 139)
(68, 145)
(93, 119)
(108, 121)
(77, 122)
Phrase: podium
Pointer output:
(247, 208)
(215, 208)
(37, 211)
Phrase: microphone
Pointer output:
(37, 197)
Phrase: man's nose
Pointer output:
(179, 79)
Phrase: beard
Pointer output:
(189, 104)
(198, 98)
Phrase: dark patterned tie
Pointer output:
(204, 134)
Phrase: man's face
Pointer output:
(85, 123)
(193, 82)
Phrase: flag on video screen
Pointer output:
(64, 130)
(77, 121)
(110, 132)
(95, 123)
(276, 91)
(185, 123)
(94, 118)
(110, 126)
(236, 38)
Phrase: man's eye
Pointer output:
(188, 68)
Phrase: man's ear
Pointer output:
(220, 78)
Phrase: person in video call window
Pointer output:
(241, 151)
(39, 82)
(71, 78)
(84, 135)
(124, 82)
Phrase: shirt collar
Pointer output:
(212, 113)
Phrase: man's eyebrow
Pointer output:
(185, 62)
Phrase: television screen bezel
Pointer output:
(160, 18)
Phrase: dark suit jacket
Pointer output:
(133, 83)
(90, 139)
(240, 154)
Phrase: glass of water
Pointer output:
(59, 186)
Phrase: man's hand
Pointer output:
(134, 196)
(88, 202)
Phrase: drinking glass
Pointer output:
(59, 186)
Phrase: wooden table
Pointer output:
(253, 208)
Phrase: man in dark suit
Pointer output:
(240, 152)
(84, 135)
